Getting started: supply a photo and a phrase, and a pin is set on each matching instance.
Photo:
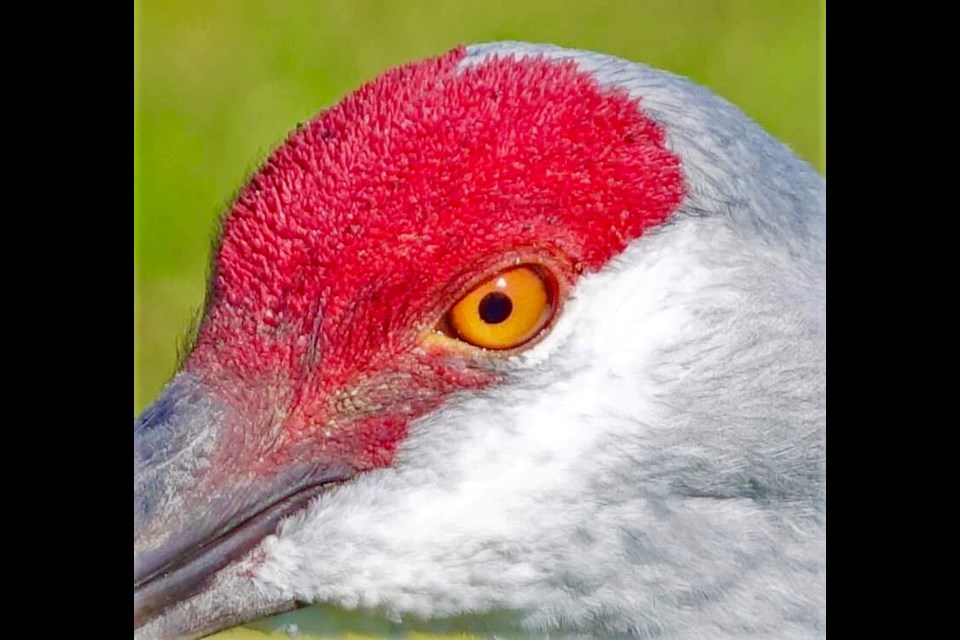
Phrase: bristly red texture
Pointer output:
(356, 234)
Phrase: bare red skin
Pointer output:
(364, 228)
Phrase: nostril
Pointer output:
(155, 415)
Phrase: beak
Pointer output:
(198, 510)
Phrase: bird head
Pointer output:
(515, 328)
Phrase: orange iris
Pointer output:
(505, 311)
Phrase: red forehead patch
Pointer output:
(347, 237)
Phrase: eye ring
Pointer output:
(506, 311)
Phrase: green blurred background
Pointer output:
(219, 83)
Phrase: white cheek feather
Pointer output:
(550, 494)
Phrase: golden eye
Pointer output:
(506, 310)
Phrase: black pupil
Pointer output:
(495, 307)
